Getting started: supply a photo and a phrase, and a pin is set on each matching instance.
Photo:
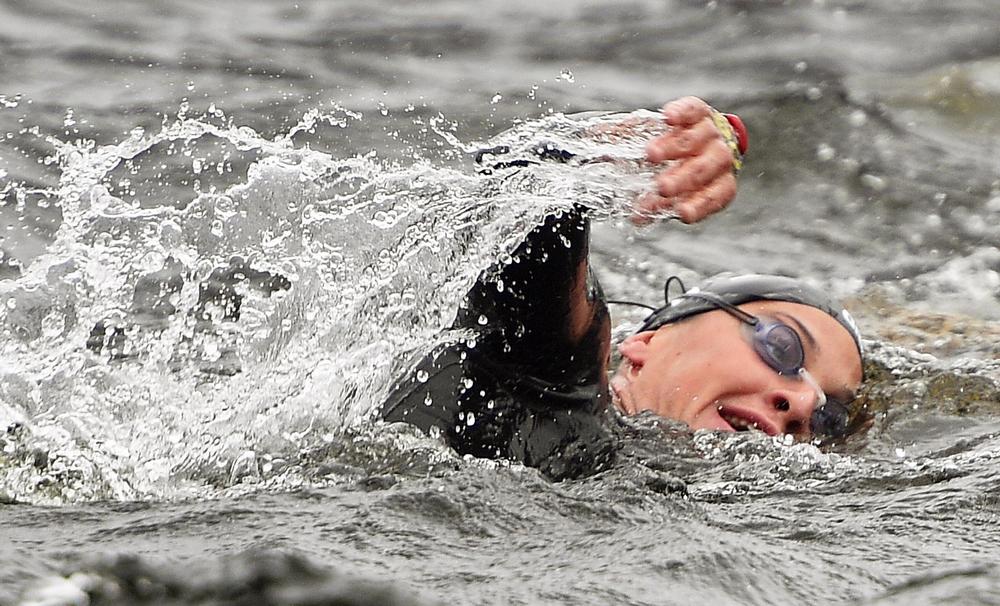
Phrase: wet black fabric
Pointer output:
(532, 387)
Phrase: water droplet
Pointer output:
(483, 320)
(567, 76)
(467, 383)
(496, 99)
(470, 419)
(422, 376)
(428, 400)
(873, 182)
(825, 153)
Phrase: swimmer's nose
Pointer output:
(793, 408)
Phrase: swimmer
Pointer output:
(765, 353)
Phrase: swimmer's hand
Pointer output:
(700, 179)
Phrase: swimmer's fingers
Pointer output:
(691, 208)
(686, 111)
(679, 143)
(707, 201)
(691, 174)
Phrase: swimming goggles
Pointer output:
(780, 347)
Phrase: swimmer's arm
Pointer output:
(548, 300)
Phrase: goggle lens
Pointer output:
(779, 346)
(831, 419)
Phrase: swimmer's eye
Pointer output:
(779, 346)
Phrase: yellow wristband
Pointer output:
(729, 136)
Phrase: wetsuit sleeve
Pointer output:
(532, 385)
(541, 307)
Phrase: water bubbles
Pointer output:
(496, 99)
(566, 76)
(470, 419)
(422, 376)
(53, 325)
(483, 320)
(825, 153)
(210, 350)
(244, 468)
(428, 400)
(874, 182)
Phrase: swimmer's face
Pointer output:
(705, 372)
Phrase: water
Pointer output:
(325, 144)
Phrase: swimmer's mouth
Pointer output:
(744, 420)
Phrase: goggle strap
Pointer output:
(741, 315)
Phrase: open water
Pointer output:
(318, 152)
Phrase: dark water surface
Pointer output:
(200, 460)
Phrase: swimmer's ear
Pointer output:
(635, 349)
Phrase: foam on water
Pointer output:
(123, 379)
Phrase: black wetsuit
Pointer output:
(534, 387)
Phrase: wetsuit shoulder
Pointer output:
(531, 386)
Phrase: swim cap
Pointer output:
(738, 289)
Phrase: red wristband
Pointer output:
(740, 130)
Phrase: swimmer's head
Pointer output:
(740, 352)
